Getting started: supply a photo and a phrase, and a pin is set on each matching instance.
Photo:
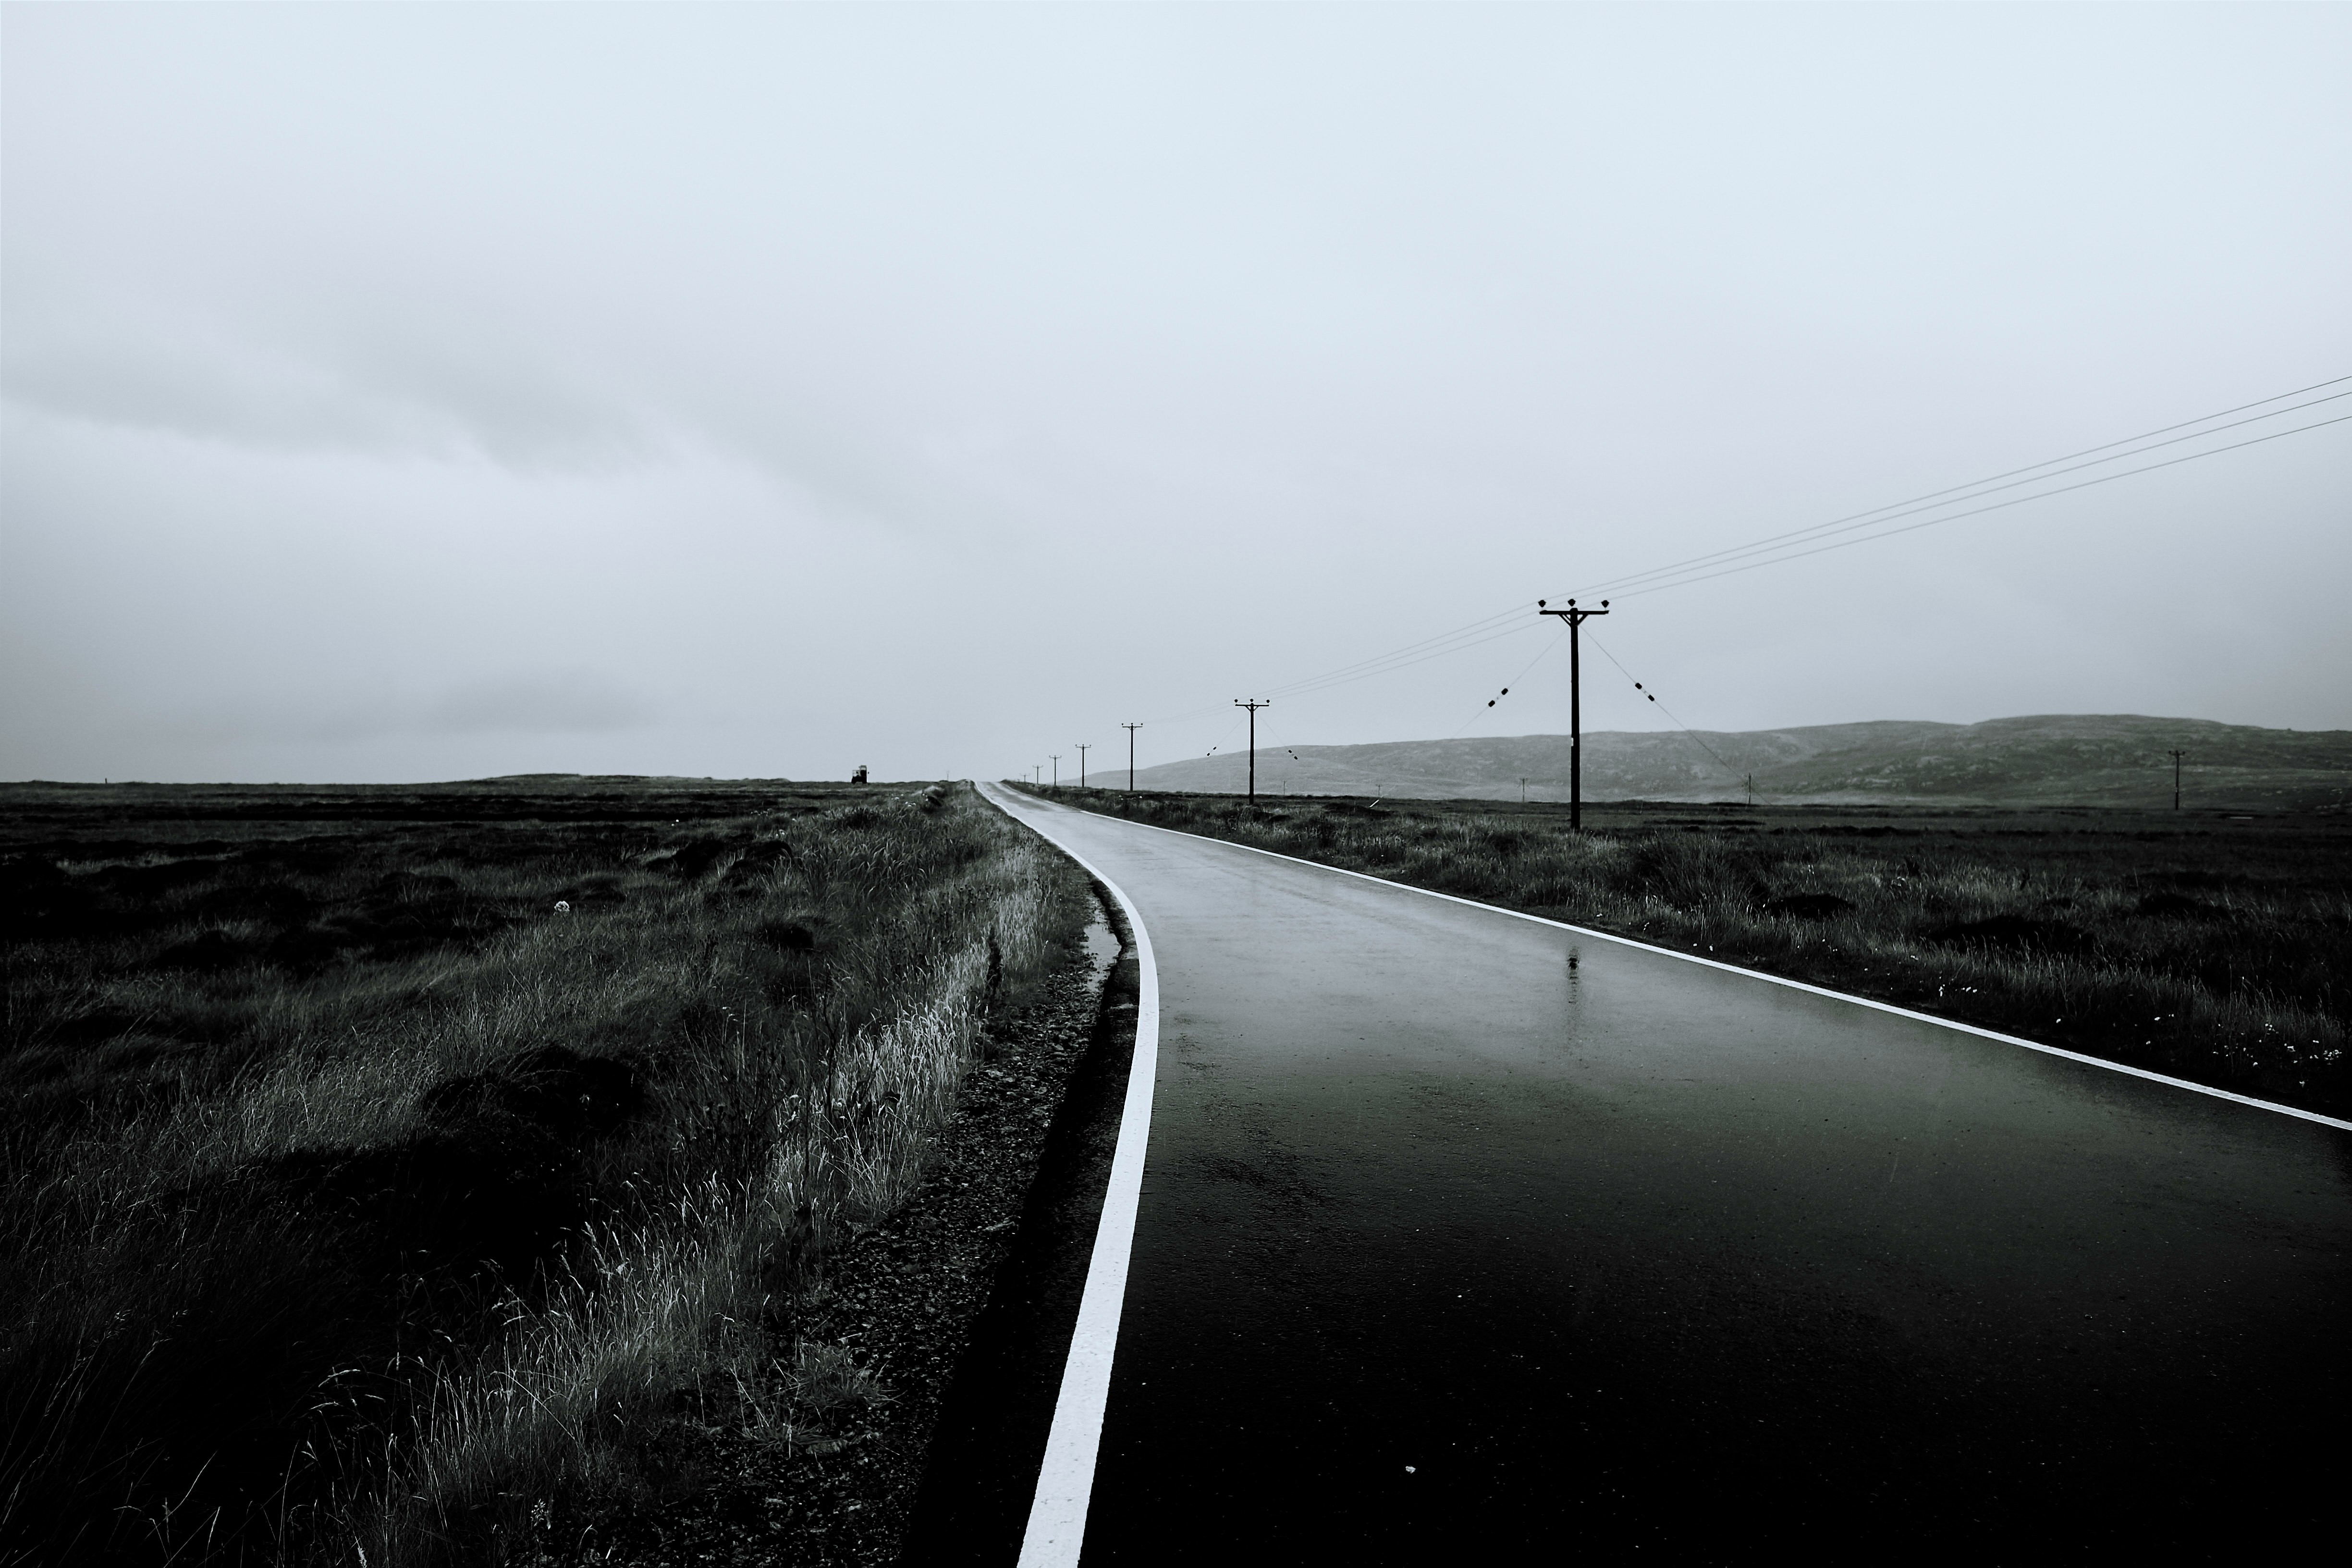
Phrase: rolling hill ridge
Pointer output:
(2048, 760)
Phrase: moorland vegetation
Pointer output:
(2116, 760)
(380, 1164)
(2206, 947)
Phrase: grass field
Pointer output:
(380, 1164)
(2211, 948)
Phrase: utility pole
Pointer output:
(2176, 757)
(1750, 782)
(1523, 790)
(1058, 768)
(1131, 730)
(1253, 708)
(1036, 773)
(1573, 619)
(1082, 746)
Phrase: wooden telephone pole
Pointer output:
(1253, 708)
(1573, 619)
(1131, 730)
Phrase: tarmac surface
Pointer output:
(1468, 1236)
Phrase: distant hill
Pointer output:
(2054, 760)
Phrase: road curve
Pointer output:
(1462, 1234)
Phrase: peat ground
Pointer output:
(393, 1170)
(2212, 947)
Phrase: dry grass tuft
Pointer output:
(419, 1201)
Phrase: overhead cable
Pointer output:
(1669, 712)
(1977, 512)
(1890, 513)
(1864, 526)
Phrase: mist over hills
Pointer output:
(2049, 760)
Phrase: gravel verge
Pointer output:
(818, 1458)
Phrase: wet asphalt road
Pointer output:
(1462, 1235)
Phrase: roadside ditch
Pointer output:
(909, 1422)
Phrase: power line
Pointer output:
(1669, 712)
(1484, 622)
(1303, 689)
(1980, 484)
(1460, 640)
(1773, 550)
(1862, 519)
(1476, 633)
(1505, 623)
(1506, 692)
(1977, 511)
(1493, 627)
(1485, 629)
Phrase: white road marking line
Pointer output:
(1065, 1482)
(2204, 1089)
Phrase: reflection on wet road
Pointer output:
(1466, 1234)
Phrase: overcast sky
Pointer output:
(426, 392)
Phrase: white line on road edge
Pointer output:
(1066, 1483)
(2205, 1089)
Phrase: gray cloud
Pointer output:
(572, 702)
(565, 702)
(416, 391)
(914, 386)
